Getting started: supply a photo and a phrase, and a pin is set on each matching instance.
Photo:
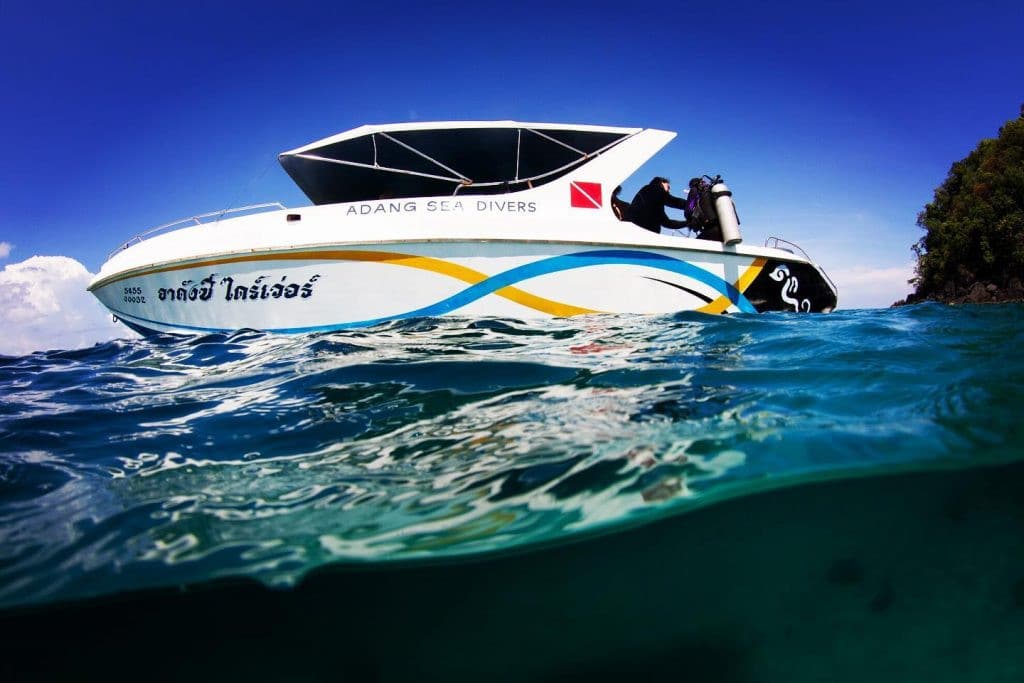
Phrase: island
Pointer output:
(973, 247)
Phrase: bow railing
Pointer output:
(198, 219)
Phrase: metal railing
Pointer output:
(196, 220)
(778, 242)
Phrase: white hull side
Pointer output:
(343, 286)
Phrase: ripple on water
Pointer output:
(163, 461)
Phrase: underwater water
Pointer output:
(532, 500)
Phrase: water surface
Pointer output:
(169, 461)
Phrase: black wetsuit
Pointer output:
(648, 208)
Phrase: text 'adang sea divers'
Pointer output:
(465, 218)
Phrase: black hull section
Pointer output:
(788, 286)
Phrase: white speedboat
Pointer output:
(494, 218)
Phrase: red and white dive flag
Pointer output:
(585, 195)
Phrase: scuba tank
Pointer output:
(728, 221)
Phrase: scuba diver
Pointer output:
(700, 211)
(648, 206)
(700, 208)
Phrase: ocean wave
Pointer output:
(171, 460)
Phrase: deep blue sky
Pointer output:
(833, 122)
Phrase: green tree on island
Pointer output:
(973, 248)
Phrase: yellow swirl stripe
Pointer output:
(396, 259)
(721, 303)
(433, 265)
(466, 275)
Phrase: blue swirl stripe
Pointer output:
(554, 264)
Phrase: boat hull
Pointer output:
(346, 286)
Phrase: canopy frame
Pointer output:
(458, 179)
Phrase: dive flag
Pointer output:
(584, 195)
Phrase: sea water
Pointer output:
(737, 497)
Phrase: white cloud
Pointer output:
(44, 305)
(868, 287)
(5, 249)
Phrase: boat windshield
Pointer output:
(442, 162)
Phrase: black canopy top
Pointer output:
(430, 160)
